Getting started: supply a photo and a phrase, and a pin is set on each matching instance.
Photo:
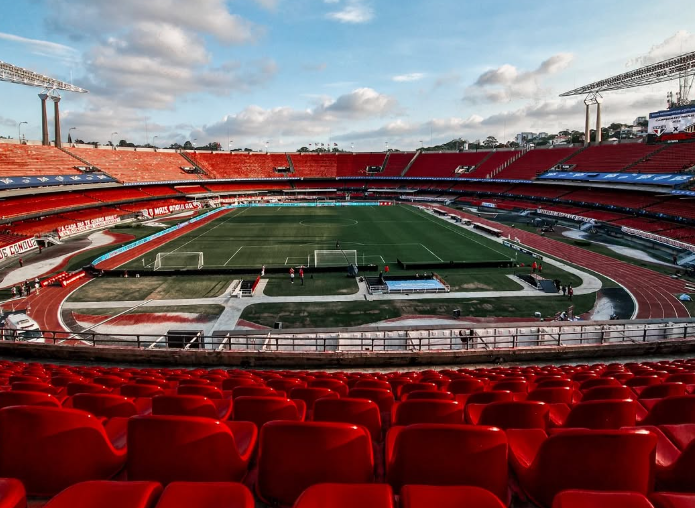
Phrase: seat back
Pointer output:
(514, 386)
(232, 382)
(593, 460)
(432, 454)
(669, 389)
(373, 383)
(346, 410)
(285, 384)
(552, 395)
(22, 398)
(293, 456)
(206, 495)
(672, 410)
(105, 405)
(488, 397)
(50, 448)
(107, 494)
(254, 391)
(455, 496)
(409, 412)
(34, 386)
(336, 385)
(413, 387)
(514, 415)
(261, 410)
(209, 391)
(309, 395)
(465, 386)
(383, 398)
(602, 414)
(184, 405)
(166, 449)
(428, 395)
(137, 390)
(338, 495)
(75, 388)
(602, 381)
(608, 393)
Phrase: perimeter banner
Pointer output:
(672, 121)
(15, 249)
(167, 209)
(87, 225)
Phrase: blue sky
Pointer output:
(356, 72)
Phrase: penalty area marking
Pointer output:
(425, 247)
(237, 252)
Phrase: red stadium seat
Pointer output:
(675, 468)
(261, 410)
(310, 395)
(598, 414)
(552, 395)
(182, 448)
(671, 410)
(509, 415)
(663, 390)
(107, 494)
(428, 395)
(12, 493)
(191, 405)
(489, 397)
(21, 398)
(209, 391)
(136, 390)
(412, 387)
(668, 500)
(49, 449)
(106, 405)
(383, 398)
(255, 391)
(581, 459)
(285, 384)
(607, 393)
(434, 454)
(334, 384)
(346, 410)
(293, 456)
(598, 499)
(427, 411)
(426, 496)
(206, 495)
(338, 495)
(75, 388)
(373, 383)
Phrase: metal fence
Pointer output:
(390, 339)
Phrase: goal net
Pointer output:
(178, 261)
(335, 257)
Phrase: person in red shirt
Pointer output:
(292, 275)
(386, 269)
(534, 266)
(301, 274)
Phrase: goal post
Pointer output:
(335, 257)
(178, 261)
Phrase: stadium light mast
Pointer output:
(69, 136)
(19, 131)
(112, 145)
(387, 145)
(153, 138)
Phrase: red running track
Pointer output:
(655, 293)
(45, 307)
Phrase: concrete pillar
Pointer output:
(56, 119)
(598, 123)
(44, 119)
(587, 128)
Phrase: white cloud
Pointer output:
(353, 11)
(507, 82)
(413, 76)
(362, 102)
(40, 47)
(679, 43)
(94, 17)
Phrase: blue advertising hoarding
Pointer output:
(670, 179)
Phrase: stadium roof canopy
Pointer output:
(14, 74)
(680, 67)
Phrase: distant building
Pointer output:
(542, 134)
(524, 137)
(639, 120)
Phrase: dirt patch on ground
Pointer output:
(475, 285)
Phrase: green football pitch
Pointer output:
(288, 236)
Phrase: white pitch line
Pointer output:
(237, 252)
(425, 247)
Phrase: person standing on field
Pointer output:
(263, 271)
(301, 274)
(292, 275)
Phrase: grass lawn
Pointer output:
(320, 284)
(344, 314)
(211, 311)
(152, 288)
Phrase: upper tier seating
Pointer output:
(492, 163)
(137, 166)
(610, 197)
(541, 191)
(355, 164)
(397, 162)
(240, 164)
(315, 165)
(534, 162)
(443, 165)
(30, 205)
(36, 160)
(121, 194)
(610, 158)
(674, 158)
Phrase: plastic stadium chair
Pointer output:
(594, 382)
(185, 448)
(33, 386)
(12, 493)
(285, 384)
(293, 456)
(191, 405)
(209, 391)
(232, 382)
(607, 393)
(489, 397)
(432, 454)
(106, 494)
(135, 390)
(261, 410)
(338, 495)
(671, 411)
(427, 395)
(49, 449)
(310, 395)
(21, 398)
(356, 411)
(552, 395)
(383, 398)
(663, 390)
(254, 391)
(426, 496)
(413, 387)
(75, 388)
(373, 383)
(668, 500)
(334, 384)
(206, 495)
(106, 405)
(598, 499)
(581, 459)
(110, 381)
(409, 412)
(509, 415)
(675, 468)
(598, 414)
